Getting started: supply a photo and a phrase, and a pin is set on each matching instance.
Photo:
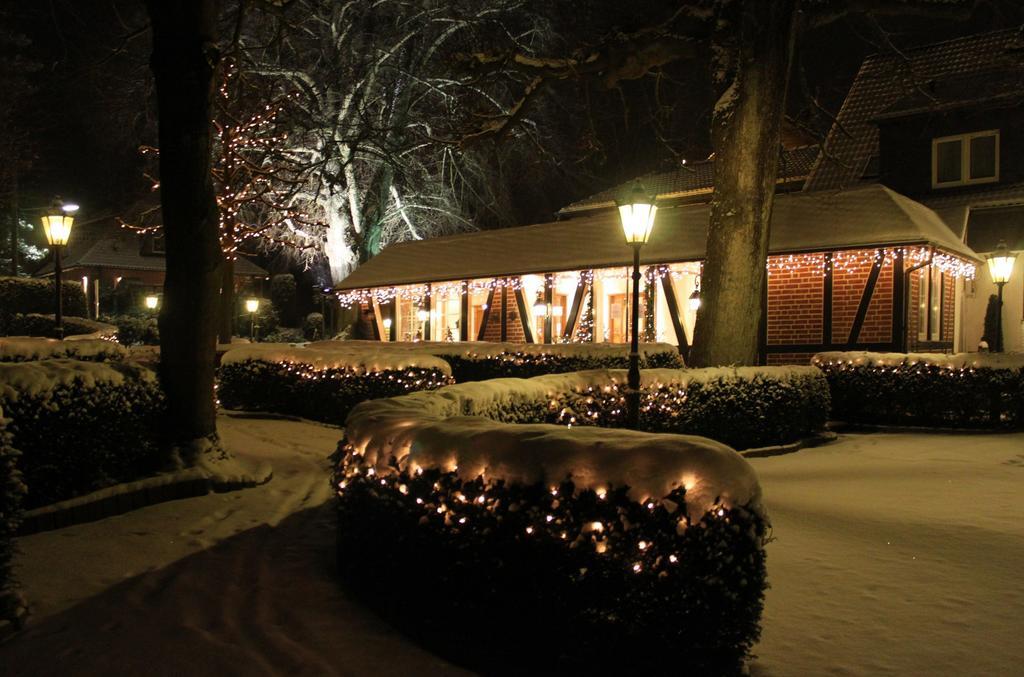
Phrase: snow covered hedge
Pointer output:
(36, 295)
(12, 491)
(961, 390)
(35, 324)
(80, 426)
(28, 349)
(317, 384)
(480, 361)
(536, 544)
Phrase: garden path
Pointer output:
(224, 584)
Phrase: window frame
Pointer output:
(965, 159)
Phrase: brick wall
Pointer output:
(514, 324)
(848, 283)
(795, 302)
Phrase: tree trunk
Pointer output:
(754, 46)
(183, 63)
(227, 301)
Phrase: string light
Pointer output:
(818, 263)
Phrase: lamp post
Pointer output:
(422, 315)
(387, 328)
(57, 224)
(252, 305)
(695, 296)
(637, 218)
(1000, 269)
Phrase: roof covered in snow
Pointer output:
(693, 179)
(940, 76)
(122, 250)
(869, 216)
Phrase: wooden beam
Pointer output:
(504, 310)
(524, 318)
(826, 301)
(865, 301)
(549, 299)
(673, 312)
(464, 313)
(487, 315)
(427, 307)
(899, 301)
(577, 302)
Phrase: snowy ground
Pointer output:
(895, 554)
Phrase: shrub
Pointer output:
(282, 296)
(34, 324)
(266, 319)
(481, 361)
(965, 390)
(284, 335)
(21, 295)
(133, 330)
(612, 551)
(18, 349)
(12, 491)
(312, 327)
(81, 426)
(322, 387)
(742, 407)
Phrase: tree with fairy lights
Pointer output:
(255, 178)
(585, 328)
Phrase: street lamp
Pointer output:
(422, 315)
(152, 301)
(1000, 269)
(387, 328)
(57, 224)
(252, 305)
(637, 216)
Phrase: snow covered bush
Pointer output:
(20, 295)
(743, 407)
(574, 548)
(320, 385)
(962, 390)
(135, 330)
(35, 324)
(28, 349)
(80, 426)
(480, 361)
(12, 491)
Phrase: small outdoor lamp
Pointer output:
(252, 305)
(387, 328)
(637, 216)
(1000, 269)
(695, 296)
(57, 224)
(423, 315)
(151, 301)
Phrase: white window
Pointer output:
(965, 159)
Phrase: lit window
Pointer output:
(965, 159)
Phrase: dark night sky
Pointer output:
(86, 95)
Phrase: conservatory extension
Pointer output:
(863, 269)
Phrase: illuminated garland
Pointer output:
(841, 262)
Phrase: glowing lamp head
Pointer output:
(57, 224)
(422, 315)
(387, 323)
(695, 300)
(637, 216)
(540, 308)
(151, 301)
(252, 305)
(1000, 263)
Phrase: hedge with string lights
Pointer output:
(522, 364)
(966, 390)
(501, 540)
(315, 392)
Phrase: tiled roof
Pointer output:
(123, 251)
(869, 216)
(953, 208)
(928, 77)
(691, 179)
